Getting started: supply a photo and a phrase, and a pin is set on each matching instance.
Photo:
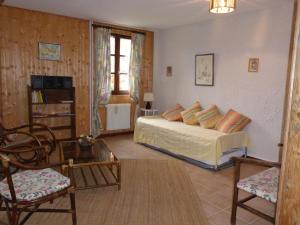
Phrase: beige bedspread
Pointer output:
(201, 144)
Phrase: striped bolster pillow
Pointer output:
(208, 118)
(173, 114)
(232, 122)
(188, 115)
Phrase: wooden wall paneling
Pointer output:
(288, 82)
(0, 85)
(20, 32)
(288, 206)
(121, 32)
(118, 28)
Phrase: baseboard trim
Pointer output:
(115, 134)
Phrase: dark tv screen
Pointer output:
(51, 82)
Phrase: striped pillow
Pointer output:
(232, 122)
(208, 118)
(188, 115)
(173, 114)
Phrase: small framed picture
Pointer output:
(169, 71)
(204, 70)
(253, 65)
(49, 51)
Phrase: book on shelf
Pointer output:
(64, 114)
(37, 97)
(67, 101)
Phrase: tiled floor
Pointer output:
(214, 188)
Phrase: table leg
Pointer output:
(119, 175)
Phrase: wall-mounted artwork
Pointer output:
(49, 51)
(253, 65)
(204, 70)
(169, 71)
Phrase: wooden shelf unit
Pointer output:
(51, 98)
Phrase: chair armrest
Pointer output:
(256, 162)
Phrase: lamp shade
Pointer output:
(148, 97)
(222, 6)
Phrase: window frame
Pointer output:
(117, 73)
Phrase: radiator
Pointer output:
(118, 116)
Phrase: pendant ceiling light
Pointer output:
(222, 6)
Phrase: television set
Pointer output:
(51, 82)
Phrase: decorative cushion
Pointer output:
(188, 115)
(33, 184)
(232, 122)
(173, 114)
(263, 184)
(209, 117)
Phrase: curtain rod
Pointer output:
(119, 28)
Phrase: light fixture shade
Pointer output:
(148, 97)
(222, 6)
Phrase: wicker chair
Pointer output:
(21, 192)
(19, 138)
(263, 185)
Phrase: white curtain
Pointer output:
(102, 77)
(135, 68)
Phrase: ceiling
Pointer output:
(151, 14)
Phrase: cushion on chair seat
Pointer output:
(263, 184)
(30, 185)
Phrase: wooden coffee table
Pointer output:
(94, 167)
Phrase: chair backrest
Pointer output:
(2, 131)
(27, 155)
(5, 163)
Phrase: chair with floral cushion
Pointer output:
(31, 186)
(263, 185)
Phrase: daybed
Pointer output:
(205, 147)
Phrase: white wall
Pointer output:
(233, 39)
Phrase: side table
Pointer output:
(149, 112)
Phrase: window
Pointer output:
(120, 48)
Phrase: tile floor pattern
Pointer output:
(214, 188)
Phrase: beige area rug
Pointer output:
(153, 192)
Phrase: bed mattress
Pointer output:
(190, 141)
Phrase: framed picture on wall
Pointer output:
(253, 65)
(169, 71)
(49, 51)
(204, 70)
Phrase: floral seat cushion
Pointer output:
(30, 185)
(263, 184)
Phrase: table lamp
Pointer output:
(148, 98)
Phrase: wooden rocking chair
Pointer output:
(11, 138)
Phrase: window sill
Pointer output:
(125, 93)
(121, 95)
